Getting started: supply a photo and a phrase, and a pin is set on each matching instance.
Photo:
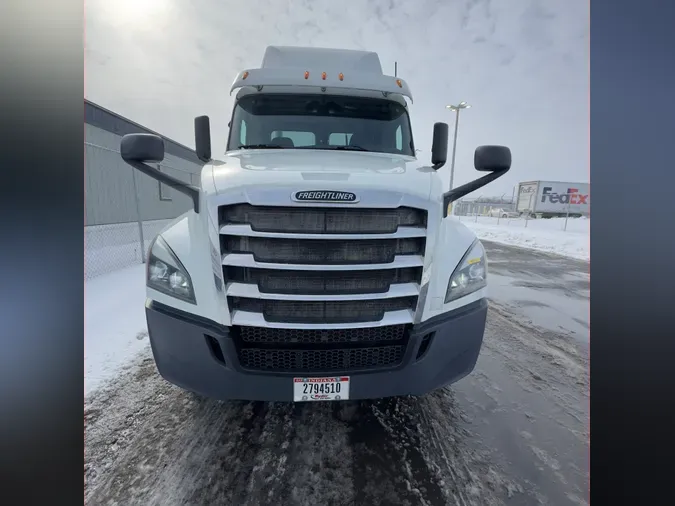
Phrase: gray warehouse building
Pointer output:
(121, 204)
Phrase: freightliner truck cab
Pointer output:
(319, 260)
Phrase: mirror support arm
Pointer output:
(175, 183)
(469, 187)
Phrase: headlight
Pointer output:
(470, 275)
(166, 274)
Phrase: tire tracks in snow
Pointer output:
(543, 361)
(388, 465)
(528, 402)
(187, 450)
(150, 443)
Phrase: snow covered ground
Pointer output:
(114, 324)
(541, 235)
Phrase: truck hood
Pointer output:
(342, 170)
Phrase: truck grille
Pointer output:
(322, 220)
(310, 280)
(342, 311)
(325, 336)
(329, 283)
(318, 251)
(308, 361)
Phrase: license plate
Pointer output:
(321, 389)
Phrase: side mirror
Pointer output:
(439, 146)
(492, 158)
(136, 149)
(203, 138)
(142, 148)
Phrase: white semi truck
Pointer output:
(318, 261)
(551, 199)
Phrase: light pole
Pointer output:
(456, 108)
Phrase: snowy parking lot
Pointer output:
(553, 235)
(516, 431)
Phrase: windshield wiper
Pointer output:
(261, 146)
(350, 148)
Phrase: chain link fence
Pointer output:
(505, 213)
(112, 247)
(143, 207)
(477, 206)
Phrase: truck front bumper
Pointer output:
(183, 348)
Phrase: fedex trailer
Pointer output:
(550, 199)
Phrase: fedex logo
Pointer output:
(573, 196)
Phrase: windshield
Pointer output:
(310, 121)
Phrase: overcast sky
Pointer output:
(523, 65)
